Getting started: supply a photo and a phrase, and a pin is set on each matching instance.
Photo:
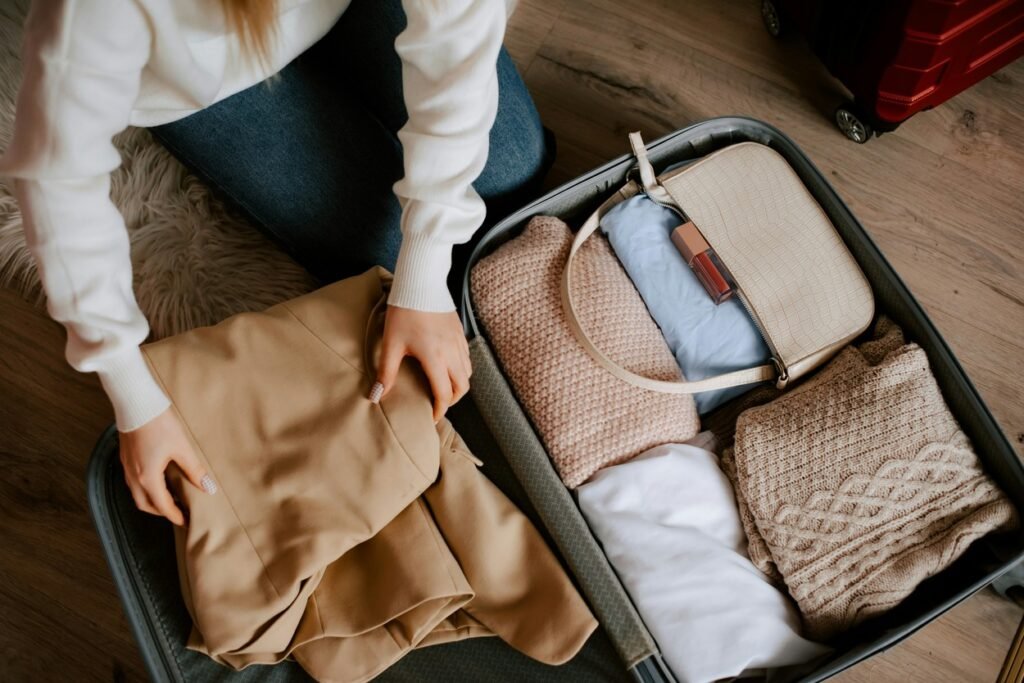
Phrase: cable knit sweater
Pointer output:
(94, 67)
(859, 484)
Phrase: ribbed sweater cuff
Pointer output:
(421, 275)
(135, 395)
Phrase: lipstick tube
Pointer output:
(703, 261)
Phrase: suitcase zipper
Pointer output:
(776, 359)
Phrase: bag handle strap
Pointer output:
(650, 184)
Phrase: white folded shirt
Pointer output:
(668, 522)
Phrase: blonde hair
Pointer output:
(254, 22)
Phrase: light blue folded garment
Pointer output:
(706, 339)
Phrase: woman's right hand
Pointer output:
(145, 454)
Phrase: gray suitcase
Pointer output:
(139, 548)
(986, 560)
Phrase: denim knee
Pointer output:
(520, 153)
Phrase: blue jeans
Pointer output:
(310, 156)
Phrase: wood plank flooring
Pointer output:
(943, 196)
(60, 617)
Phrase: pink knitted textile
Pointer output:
(586, 417)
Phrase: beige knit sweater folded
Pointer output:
(859, 484)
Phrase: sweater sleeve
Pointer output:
(449, 51)
(83, 61)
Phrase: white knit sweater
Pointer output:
(93, 67)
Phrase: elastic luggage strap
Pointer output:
(760, 373)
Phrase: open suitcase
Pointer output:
(140, 551)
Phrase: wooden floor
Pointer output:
(943, 197)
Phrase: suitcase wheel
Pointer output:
(852, 123)
(772, 18)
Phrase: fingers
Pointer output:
(458, 370)
(440, 385)
(145, 454)
(156, 488)
(437, 341)
(459, 373)
(448, 377)
(150, 492)
(390, 360)
(195, 472)
(141, 498)
(467, 364)
(464, 370)
(460, 385)
(132, 473)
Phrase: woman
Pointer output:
(359, 99)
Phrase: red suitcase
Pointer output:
(898, 57)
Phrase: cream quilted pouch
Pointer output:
(789, 267)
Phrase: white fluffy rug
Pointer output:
(194, 262)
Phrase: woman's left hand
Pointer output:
(437, 341)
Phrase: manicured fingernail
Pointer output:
(376, 391)
(208, 484)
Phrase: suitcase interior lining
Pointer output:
(988, 557)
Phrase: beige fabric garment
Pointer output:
(859, 484)
(344, 533)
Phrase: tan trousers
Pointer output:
(344, 533)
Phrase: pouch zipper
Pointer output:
(783, 377)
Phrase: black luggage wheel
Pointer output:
(852, 123)
(772, 18)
